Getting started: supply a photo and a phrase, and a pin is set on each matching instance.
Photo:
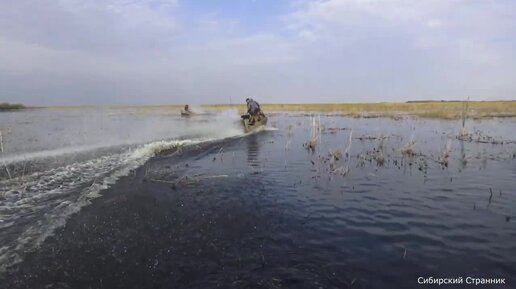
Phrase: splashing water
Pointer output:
(65, 176)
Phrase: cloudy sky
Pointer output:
(74, 52)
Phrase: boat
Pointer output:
(251, 126)
(189, 113)
(186, 113)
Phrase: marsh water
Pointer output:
(142, 198)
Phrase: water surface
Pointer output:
(262, 211)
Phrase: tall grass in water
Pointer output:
(336, 155)
(379, 156)
(464, 116)
(314, 135)
(408, 149)
(345, 170)
(2, 153)
(445, 155)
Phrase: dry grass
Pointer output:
(431, 109)
(444, 110)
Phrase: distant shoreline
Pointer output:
(423, 109)
(438, 109)
(11, 106)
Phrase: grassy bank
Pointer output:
(445, 110)
(10, 106)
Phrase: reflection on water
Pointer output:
(253, 150)
(463, 160)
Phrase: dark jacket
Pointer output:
(253, 107)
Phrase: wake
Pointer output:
(34, 205)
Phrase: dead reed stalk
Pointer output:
(380, 158)
(443, 159)
(2, 152)
(464, 116)
(343, 170)
(314, 135)
(465, 106)
(346, 151)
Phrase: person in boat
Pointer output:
(253, 110)
(186, 108)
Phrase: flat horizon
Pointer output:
(264, 103)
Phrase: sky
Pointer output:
(149, 52)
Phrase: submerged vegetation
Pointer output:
(430, 109)
(10, 106)
(394, 150)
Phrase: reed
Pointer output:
(408, 149)
(379, 156)
(314, 135)
(348, 148)
(335, 156)
(464, 115)
(445, 155)
(2, 152)
(346, 152)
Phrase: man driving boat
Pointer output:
(253, 109)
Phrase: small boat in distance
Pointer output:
(186, 112)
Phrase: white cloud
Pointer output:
(114, 51)
(101, 26)
(459, 38)
(434, 23)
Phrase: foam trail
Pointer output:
(53, 153)
(44, 200)
(75, 155)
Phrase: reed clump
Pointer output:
(379, 155)
(445, 155)
(408, 148)
(337, 155)
(464, 115)
(314, 135)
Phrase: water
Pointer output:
(261, 211)
(56, 160)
